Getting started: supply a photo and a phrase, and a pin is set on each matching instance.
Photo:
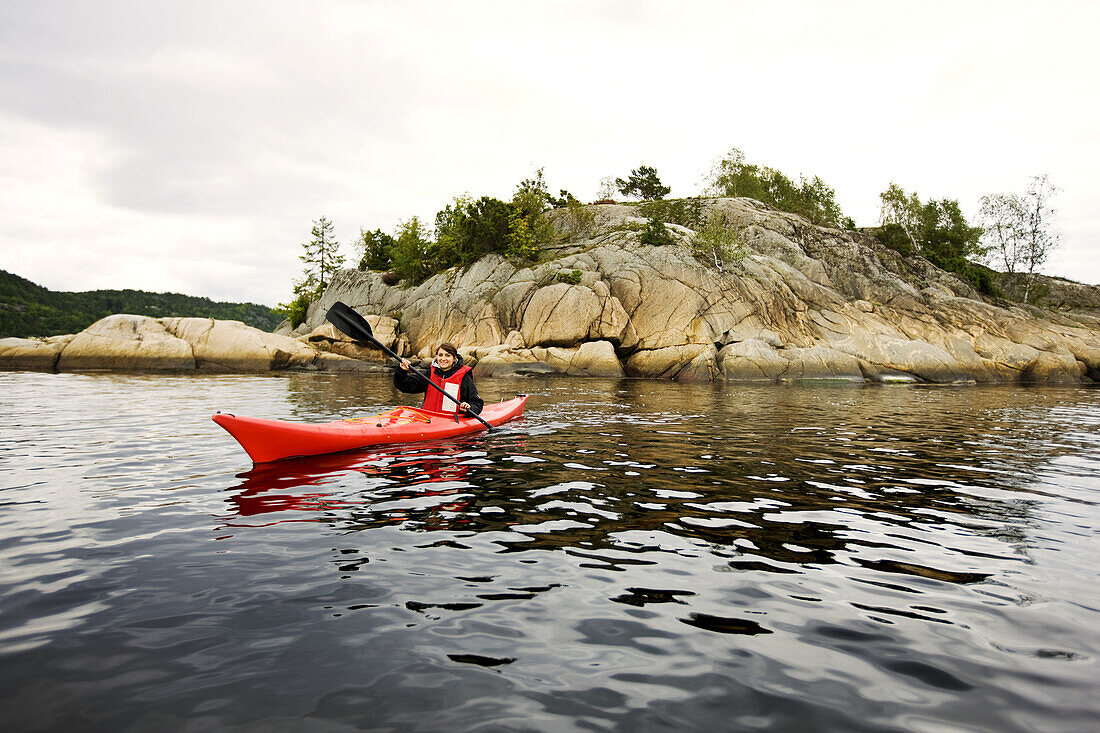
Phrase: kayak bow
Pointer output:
(271, 440)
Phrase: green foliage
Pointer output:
(717, 242)
(523, 239)
(530, 225)
(937, 230)
(465, 231)
(296, 310)
(947, 240)
(685, 212)
(410, 253)
(642, 183)
(376, 250)
(656, 234)
(810, 198)
(982, 279)
(896, 238)
(27, 309)
(572, 278)
(468, 230)
(532, 196)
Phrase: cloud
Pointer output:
(197, 141)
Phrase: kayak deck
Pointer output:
(271, 440)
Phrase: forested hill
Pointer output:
(27, 309)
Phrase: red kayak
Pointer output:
(270, 440)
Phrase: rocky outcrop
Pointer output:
(793, 302)
(327, 338)
(140, 343)
(796, 302)
(231, 346)
(126, 342)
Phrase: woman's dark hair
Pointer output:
(450, 349)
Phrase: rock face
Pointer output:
(799, 303)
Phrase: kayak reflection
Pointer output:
(432, 476)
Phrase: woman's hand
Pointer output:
(406, 364)
(464, 406)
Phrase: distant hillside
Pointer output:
(27, 309)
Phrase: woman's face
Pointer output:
(444, 359)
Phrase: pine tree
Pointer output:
(322, 259)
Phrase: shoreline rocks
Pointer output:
(123, 342)
(796, 302)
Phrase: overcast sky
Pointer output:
(187, 146)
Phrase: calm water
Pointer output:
(632, 555)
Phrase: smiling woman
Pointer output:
(458, 391)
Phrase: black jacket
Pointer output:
(412, 383)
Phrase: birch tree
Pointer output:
(1019, 229)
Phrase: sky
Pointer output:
(189, 146)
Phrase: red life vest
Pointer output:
(436, 402)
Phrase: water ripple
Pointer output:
(630, 555)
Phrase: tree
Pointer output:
(376, 250)
(322, 259)
(643, 183)
(468, 230)
(529, 225)
(410, 256)
(1018, 229)
(1040, 239)
(810, 197)
(936, 230)
(901, 210)
(999, 216)
(717, 242)
(532, 195)
(947, 239)
(607, 189)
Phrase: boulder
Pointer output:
(666, 362)
(126, 342)
(560, 315)
(703, 368)
(328, 338)
(751, 360)
(505, 363)
(820, 364)
(595, 359)
(32, 354)
(590, 359)
(231, 346)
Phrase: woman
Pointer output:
(447, 373)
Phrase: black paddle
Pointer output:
(348, 320)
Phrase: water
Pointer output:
(632, 555)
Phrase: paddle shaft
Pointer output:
(350, 318)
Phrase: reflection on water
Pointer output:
(630, 555)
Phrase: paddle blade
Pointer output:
(345, 318)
